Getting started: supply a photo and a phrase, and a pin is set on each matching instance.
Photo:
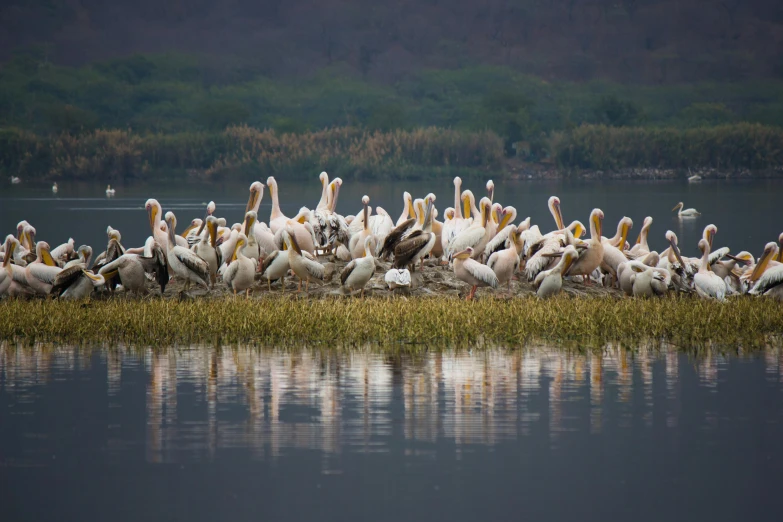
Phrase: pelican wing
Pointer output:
(346, 273)
(44, 273)
(771, 278)
(470, 237)
(66, 278)
(230, 273)
(395, 236)
(717, 255)
(315, 268)
(192, 262)
(481, 272)
(497, 243)
(268, 260)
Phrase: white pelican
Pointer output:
(319, 218)
(54, 188)
(506, 262)
(688, 212)
(477, 235)
(303, 230)
(62, 253)
(706, 282)
(381, 225)
(647, 281)
(131, 270)
(358, 272)
(613, 248)
(114, 250)
(407, 209)
(593, 253)
(15, 180)
(453, 226)
(76, 283)
(472, 272)
(182, 262)
(155, 216)
(178, 240)
(110, 191)
(768, 280)
(207, 248)
(275, 266)
(261, 234)
(416, 245)
(42, 272)
(14, 282)
(641, 247)
(6, 274)
(491, 191)
(395, 278)
(549, 282)
(499, 241)
(277, 220)
(541, 250)
(196, 228)
(83, 257)
(306, 269)
(356, 244)
(241, 270)
(469, 204)
(336, 229)
(766, 262)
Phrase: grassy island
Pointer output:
(399, 323)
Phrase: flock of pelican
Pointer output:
(480, 242)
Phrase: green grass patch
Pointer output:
(415, 324)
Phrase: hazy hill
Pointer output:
(652, 41)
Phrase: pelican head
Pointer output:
(171, 220)
(42, 254)
(241, 242)
(507, 215)
(709, 233)
(113, 233)
(645, 226)
(9, 247)
(449, 213)
(154, 211)
(429, 197)
(271, 182)
(365, 200)
(556, 211)
(495, 212)
(334, 189)
(407, 200)
(491, 190)
(569, 256)
(212, 228)
(250, 220)
(418, 209)
(465, 254)
(210, 208)
(256, 195)
(85, 252)
(576, 228)
(20, 229)
(524, 225)
(195, 224)
(485, 206)
(626, 224)
(770, 250)
(28, 237)
(596, 223)
(468, 202)
(671, 237)
(457, 181)
(678, 206)
(743, 257)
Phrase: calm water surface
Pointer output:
(746, 213)
(537, 434)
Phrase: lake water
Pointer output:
(746, 213)
(206, 434)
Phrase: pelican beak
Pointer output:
(248, 225)
(240, 244)
(95, 278)
(569, 260)
(761, 266)
(466, 206)
(558, 215)
(676, 251)
(579, 231)
(491, 190)
(411, 210)
(676, 207)
(212, 227)
(294, 244)
(9, 252)
(47, 258)
(738, 259)
(598, 224)
(152, 212)
(302, 219)
(253, 199)
(191, 227)
(505, 217)
(710, 236)
(623, 235)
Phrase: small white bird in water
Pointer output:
(15, 180)
(395, 278)
(54, 188)
(688, 212)
(110, 191)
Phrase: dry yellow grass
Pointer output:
(412, 323)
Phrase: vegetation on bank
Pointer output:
(174, 114)
(427, 322)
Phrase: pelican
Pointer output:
(491, 191)
(275, 266)
(641, 247)
(277, 220)
(500, 240)
(155, 214)
(241, 270)
(395, 278)
(613, 247)
(381, 225)
(541, 250)
(6, 274)
(437, 229)
(182, 262)
(207, 248)
(417, 245)
(356, 244)
(42, 272)
(13, 280)
(114, 250)
(110, 191)
(131, 270)
(768, 280)
(76, 283)
(549, 282)
(303, 230)
(196, 228)
(306, 269)
(358, 272)
(62, 253)
(319, 218)
(506, 262)
(766, 262)
(590, 258)
(336, 226)
(472, 272)
(688, 212)
(407, 209)
(15, 180)
(706, 282)
(261, 234)
(477, 235)
(54, 188)
(453, 226)
(83, 257)
(647, 281)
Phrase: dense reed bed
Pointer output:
(344, 151)
(412, 323)
(725, 147)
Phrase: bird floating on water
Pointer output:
(110, 191)
(54, 188)
(15, 180)
(688, 212)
